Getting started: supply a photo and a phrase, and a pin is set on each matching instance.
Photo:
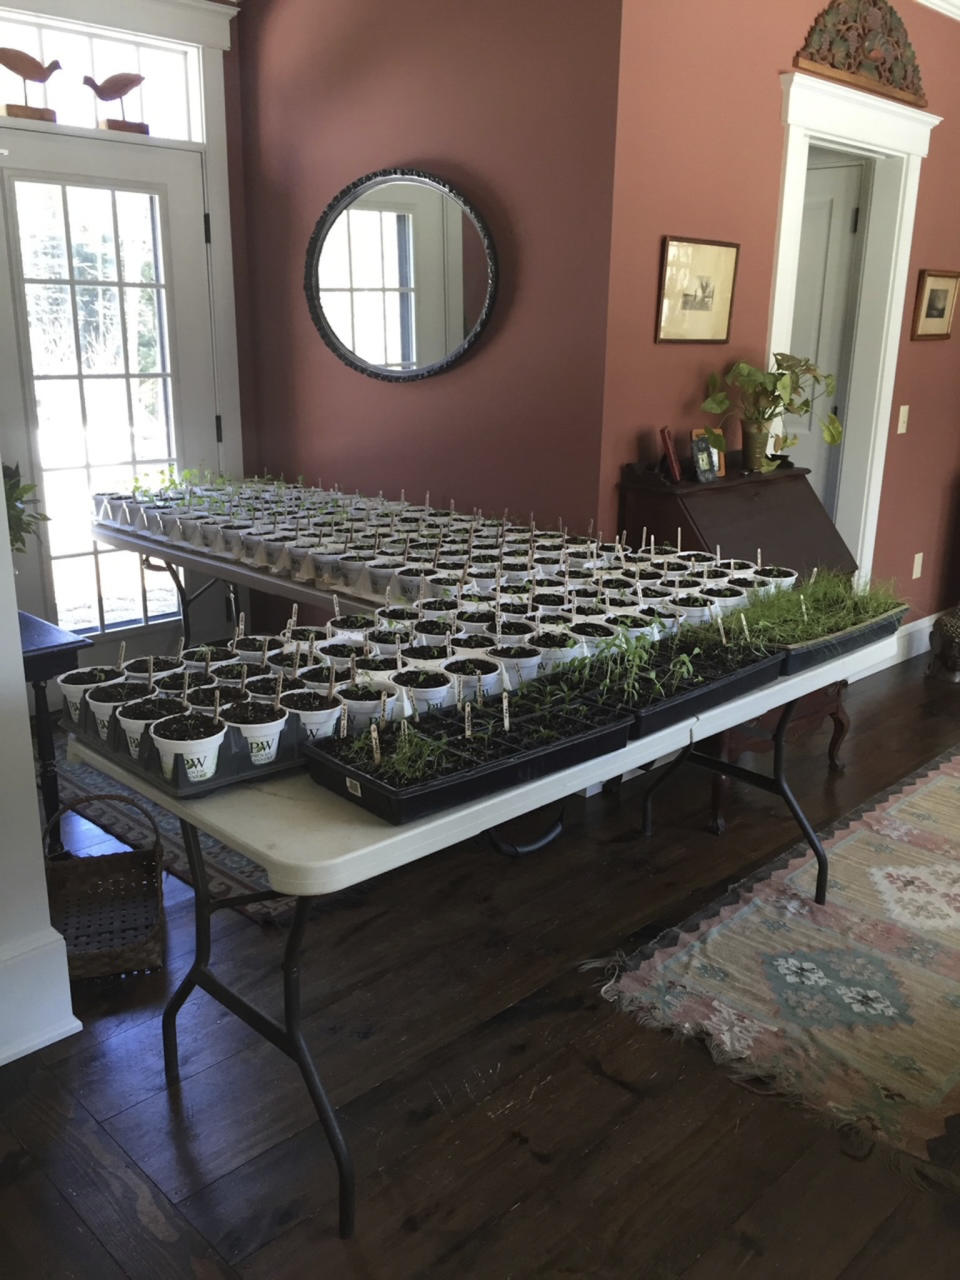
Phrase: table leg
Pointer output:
(46, 755)
(657, 783)
(287, 1037)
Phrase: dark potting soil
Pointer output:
(435, 627)
(745, 584)
(310, 700)
(160, 663)
(355, 622)
(553, 640)
(95, 675)
(474, 641)
(550, 599)
(305, 634)
(693, 602)
(482, 617)
(471, 667)
(590, 610)
(425, 652)
(417, 678)
(153, 708)
(633, 621)
(232, 671)
(262, 685)
(777, 573)
(722, 593)
(174, 681)
(207, 697)
(213, 653)
(514, 651)
(438, 605)
(399, 636)
(250, 713)
(511, 628)
(188, 728)
(590, 629)
(398, 613)
(376, 664)
(343, 650)
(361, 693)
(123, 691)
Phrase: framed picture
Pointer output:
(719, 456)
(936, 301)
(696, 290)
(703, 456)
(670, 458)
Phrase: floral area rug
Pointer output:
(228, 872)
(852, 1008)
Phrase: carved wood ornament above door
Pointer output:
(863, 43)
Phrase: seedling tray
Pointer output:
(400, 805)
(801, 657)
(233, 763)
(668, 711)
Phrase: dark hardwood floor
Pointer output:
(505, 1120)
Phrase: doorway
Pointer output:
(824, 315)
(106, 357)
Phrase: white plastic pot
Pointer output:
(491, 682)
(516, 670)
(200, 755)
(316, 724)
(73, 693)
(361, 713)
(426, 700)
(262, 739)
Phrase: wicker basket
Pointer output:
(109, 907)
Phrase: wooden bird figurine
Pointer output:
(27, 68)
(114, 88)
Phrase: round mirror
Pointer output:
(401, 275)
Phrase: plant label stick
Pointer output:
(179, 653)
(329, 629)
(206, 664)
(150, 670)
(243, 678)
(277, 691)
(746, 629)
(216, 705)
(241, 624)
(467, 721)
(343, 720)
(506, 711)
(803, 607)
(331, 685)
(121, 653)
(383, 707)
(375, 744)
(813, 576)
(293, 614)
(759, 558)
(679, 546)
(336, 605)
(263, 654)
(723, 634)
(297, 655)
(186, 685)
(353, 669)
(459, 692)
(718, 553)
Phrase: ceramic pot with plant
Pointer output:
(425, 689)
(195, 738)
(366, 701)
(592, 634)
(317, 713)
(133, 717)
(74, 684)
(260, 724)
(761, 398)
(521, 662)
(469, 673)
(140, 668)
(103, 700)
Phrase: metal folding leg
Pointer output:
(287, 1037)
(777, 785)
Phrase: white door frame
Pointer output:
(896, 137)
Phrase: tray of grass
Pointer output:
(420, 775)
(801, 657)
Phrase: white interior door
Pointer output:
(825, 306)
(106, 361)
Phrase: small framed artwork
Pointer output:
(936, 302)
(697, 279)
(718, 455)
(670, 459)
(703, 455)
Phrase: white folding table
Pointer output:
(311, 842)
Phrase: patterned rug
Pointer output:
(228, 872)
(851, 1009)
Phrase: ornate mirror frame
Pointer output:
(342, 200)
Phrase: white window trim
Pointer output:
(205, 23)
(950, 7)
(821, 112)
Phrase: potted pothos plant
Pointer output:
(761, 398)
(21, 519)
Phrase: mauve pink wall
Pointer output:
(514, 102)
(699, 148)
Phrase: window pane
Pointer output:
(333, 269)
(135, 215)
(151, 438)
(43, 245)
(392, 232)
(144, 336)
(68, 505)
(75, 588)
(98, 321)
(120, 588)
(366, 253)
(391, 302)
(163, 93)
(50, 321)
(73, 102)
(111, 479)
(108, 420)
(369, 327)
(336, 307)
(90, 210)
(161, 596)
(60, 423)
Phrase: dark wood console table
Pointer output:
(777, 512)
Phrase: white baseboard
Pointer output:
(34, 995)
(912, 640)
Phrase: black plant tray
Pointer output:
(233, 762)
(801, 657)
(668, 711)
(405, 804)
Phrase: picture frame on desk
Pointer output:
(697, 279)
(671, 462)
(719, 455)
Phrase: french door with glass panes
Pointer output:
(106, 365)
